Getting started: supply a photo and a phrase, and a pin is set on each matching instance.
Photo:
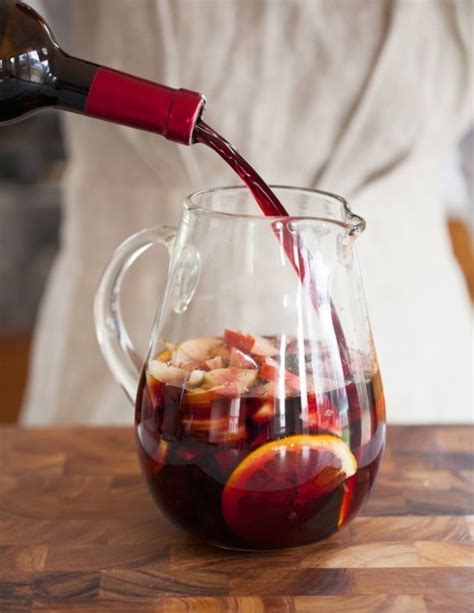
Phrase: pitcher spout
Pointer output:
(355, 223)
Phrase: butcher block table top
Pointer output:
(78, 530)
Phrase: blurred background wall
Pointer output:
(32, 159)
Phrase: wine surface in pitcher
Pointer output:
(240, 447)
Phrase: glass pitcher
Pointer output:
(260, 416)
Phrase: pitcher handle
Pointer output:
(114, 341)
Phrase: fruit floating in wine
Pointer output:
(246, 444)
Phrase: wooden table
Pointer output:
(79, 530)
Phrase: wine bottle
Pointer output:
(35, 73)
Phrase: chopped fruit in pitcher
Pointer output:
(265, 410)
(195, 378)
(216, 362)
(166, 373)
(245, 444)
(272, 371)
(239, 359)
(199, 349)
(221, 351)
(322, 416)
(263, 347)
(240, 379)
(244, 342)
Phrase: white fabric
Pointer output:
(358, 97)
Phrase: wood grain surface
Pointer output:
(78, 530)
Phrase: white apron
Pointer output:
(357, 97)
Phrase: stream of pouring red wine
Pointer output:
(264, 196)
(272, 207)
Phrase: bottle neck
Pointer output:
(72, 82)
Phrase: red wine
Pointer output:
(260, 459)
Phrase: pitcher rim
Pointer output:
(355, 223)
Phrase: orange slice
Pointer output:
(279, 486)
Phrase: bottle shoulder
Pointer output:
(27, 46)
(22, 30)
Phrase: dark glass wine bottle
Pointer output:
(35, 73)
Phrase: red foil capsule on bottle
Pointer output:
(138, 103)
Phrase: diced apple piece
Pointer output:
(265, 411)
(183, 361)
(322, 416)
(239, 359)
(234, 338)
(223, 352)
(179, 358)
(263, 347)
(219, 376)
(165, 373)
(272, 389)
(196, 378)
(246, 376)
(242, 379)
(199, 349)
(270, 371)
(215, 362)
(262, 390)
